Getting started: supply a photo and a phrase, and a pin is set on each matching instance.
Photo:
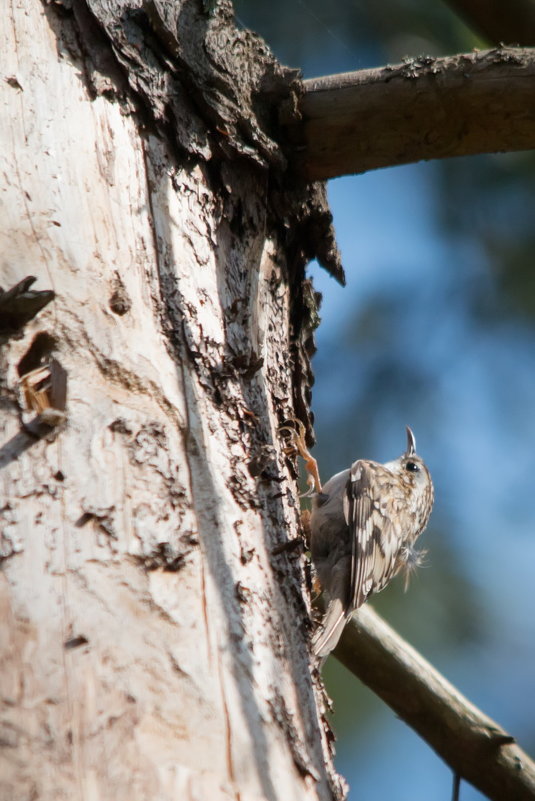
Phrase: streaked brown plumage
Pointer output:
(364, 524)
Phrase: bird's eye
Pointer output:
(412, 467)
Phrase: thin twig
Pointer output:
(456, 787)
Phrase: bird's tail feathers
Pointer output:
(326, 638)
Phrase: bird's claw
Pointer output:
(295, 443)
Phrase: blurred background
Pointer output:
(435, 329)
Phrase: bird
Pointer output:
(363, 527)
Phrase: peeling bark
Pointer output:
(155, 633)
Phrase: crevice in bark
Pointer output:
(120, 302)
(43, 386)
(41, 348)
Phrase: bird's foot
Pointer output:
(294, 442)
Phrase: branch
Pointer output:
(473, 745)
(423, 109)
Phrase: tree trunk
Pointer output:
(155, 630)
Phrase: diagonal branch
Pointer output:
(472, 744)
(426, 108)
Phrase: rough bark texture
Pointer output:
(425, 108)
(154, 637)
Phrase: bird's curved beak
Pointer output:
(411, 443)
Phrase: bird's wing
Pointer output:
(372, 529)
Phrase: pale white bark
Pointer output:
(121, 679)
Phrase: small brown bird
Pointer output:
(364, 524)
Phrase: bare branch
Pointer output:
(424, 109)
(472, 744)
